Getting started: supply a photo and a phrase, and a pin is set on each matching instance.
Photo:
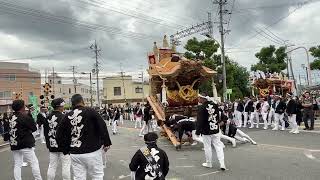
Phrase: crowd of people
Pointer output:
(275, 111)
(79, 138)
(140, 113)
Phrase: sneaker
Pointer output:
(194, 143)
(295, 132)
(207, 165)
(254, 143)
(265, 127)
(283, 128)
(140, 135)
(43, 142)
(257, 127)
(24, 164)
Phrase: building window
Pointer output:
(33, 80)
(139, 89)
(50, 82)
(117, 91)
(5, 94)
(69, 90)
(59, 82)
(60, 90)
(10, 77)
(30, 94)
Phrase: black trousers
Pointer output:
(308, 114)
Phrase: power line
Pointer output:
(15, 9)
(272, 24)
(297, 3)
(130, 13)
(43, 56)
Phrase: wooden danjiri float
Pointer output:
(174, 82)
(269, 84)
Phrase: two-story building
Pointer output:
(123, 89)
(66, 90)
(17, 80)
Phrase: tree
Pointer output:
(200, 49)
(271, 59)
(237, 76)
(315, 52)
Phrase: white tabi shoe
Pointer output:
(275, 129)
(254, 143)
(291, 131)
(24, 164)
(265, 127)
(207, 165)
(234, 143)
(222, 166)
(283, 128)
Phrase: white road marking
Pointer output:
(185, 166)
(124, 176)
(182, 158)
(206, 174)
(308, 154)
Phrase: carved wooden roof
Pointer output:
(167, 68)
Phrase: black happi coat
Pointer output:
(280, 108)
(240, 107)
(205, 124)
(50, 128)
(291, 107)
(142, 167)
(41, 119)
(82, 131)
(21, 127)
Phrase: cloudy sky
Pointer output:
(125, 30)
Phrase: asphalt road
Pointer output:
(278, 155)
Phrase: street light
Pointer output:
(91, 103)
(306, 68)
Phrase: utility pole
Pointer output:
(221, 4)
(96, 50)
(124, 88)
(73, 69)
(142, 83)
(53, 81)
(45, 75)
